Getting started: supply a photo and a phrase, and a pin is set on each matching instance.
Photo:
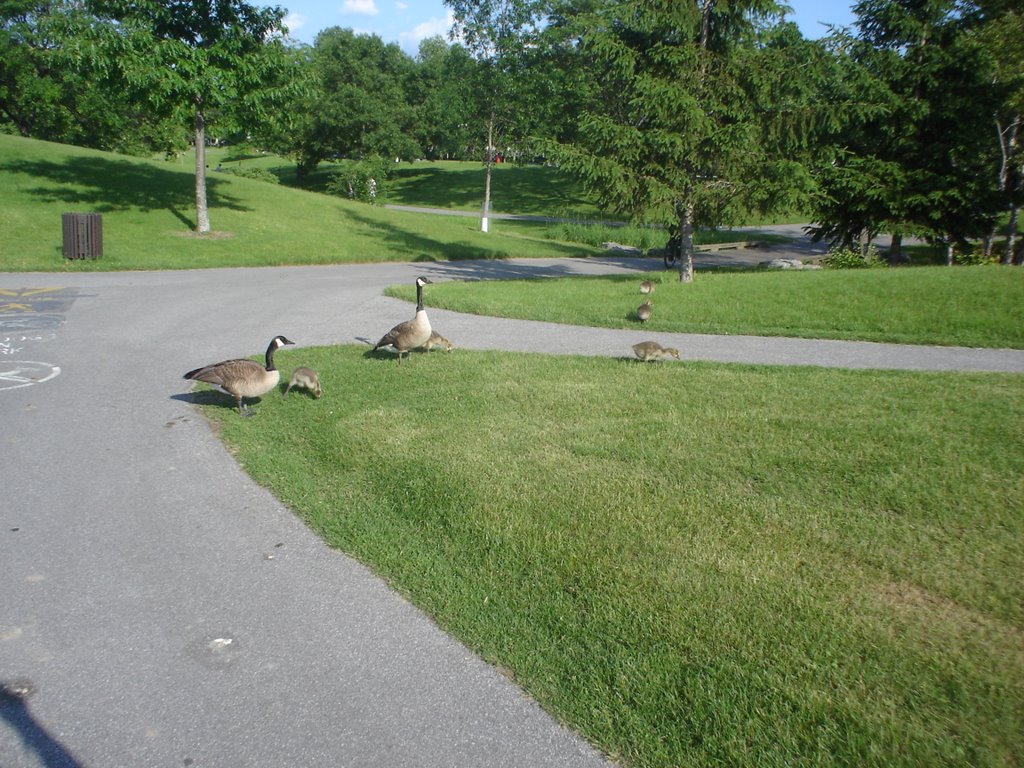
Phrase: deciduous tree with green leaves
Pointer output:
(204, 62)
(498, 34)
(358, 105)
(43, 95)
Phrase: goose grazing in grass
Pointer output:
(643, 312)
(305, 378)
(437, 340)
(242, 378)
(652, 350)
(410, 334)
(646, 287)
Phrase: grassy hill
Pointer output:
(148, 218)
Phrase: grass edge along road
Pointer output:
(690, 563)
(951, 306)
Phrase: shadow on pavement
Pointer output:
(15, 712)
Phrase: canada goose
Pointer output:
(646, 287)
(410, 334)
(652, 350)
(242, 378)
(305, 378)
(437, 340)
(643, 312)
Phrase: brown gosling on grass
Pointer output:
(242, 378)
(305, 378)
(643, 312)
(410, 334)
(652, 350)
(437, 340)
(646, 287)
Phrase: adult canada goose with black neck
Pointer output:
(409, 334)
(242, 378)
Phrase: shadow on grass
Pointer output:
(214, 398)
(107, 185)
(417, 247)
(515, 188)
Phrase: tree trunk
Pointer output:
(1011, 235)
(1009, 147)
(949, 252)
(685, 212)
(489, 163)
(896, 248)
(202, 212)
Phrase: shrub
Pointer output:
(360, 179)
(260, 174)
(852, 258)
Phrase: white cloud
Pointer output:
(293, 22)
(401, 6)
(410, 41)
(360, 7)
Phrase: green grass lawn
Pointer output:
(148, 218)
(454, 185)
(965, 306)
(692, 564)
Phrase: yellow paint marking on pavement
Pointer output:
(23, 292)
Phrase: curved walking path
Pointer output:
(159, 609)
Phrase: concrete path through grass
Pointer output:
(159, 609)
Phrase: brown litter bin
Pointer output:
(83, 235)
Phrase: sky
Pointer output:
(407, 22)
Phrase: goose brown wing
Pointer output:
(392, 336)
(227, 370)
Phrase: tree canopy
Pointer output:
(688, 114)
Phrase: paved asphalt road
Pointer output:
(158, 609)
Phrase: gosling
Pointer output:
(437, 340)
(643, 312)
(652, 350)
(305, 378)
(647, 287)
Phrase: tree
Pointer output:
(705, 111)
(44, 95)
(498, 33)
(358, 105)
(202, 62)
(925, 160)
(446, 94)
(1001, 34)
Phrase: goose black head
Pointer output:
(280, 341)
(421, 281)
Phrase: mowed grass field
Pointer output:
(692, 564)
(148, 209)
(978, 306)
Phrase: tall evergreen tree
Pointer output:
(924, 165)
(704, 111)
